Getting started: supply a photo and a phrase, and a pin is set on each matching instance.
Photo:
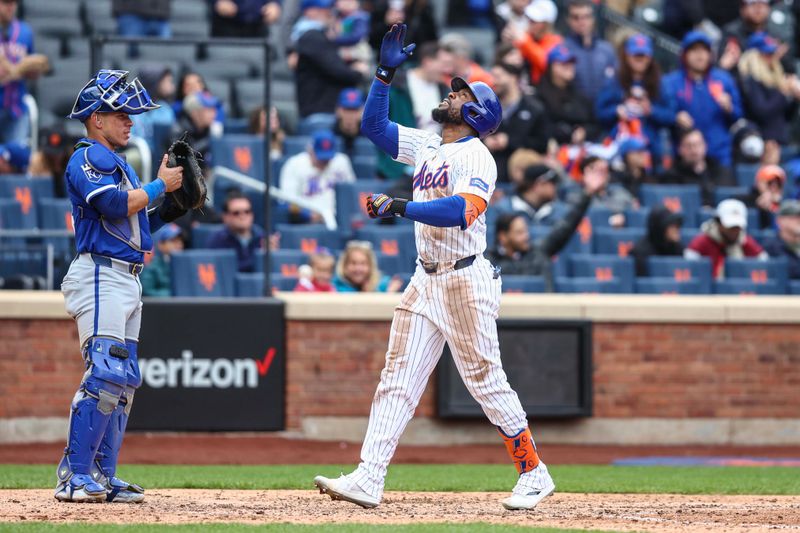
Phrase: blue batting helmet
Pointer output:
(110, 91)
(485, 113)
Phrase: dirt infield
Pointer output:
(622, 512)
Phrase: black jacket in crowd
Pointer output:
(769, 108)
(155, 9)
(419, 19)
(655, 243)
(527, 126)
(567, 109)
(321, 74)
(715, 175)
(537, 261)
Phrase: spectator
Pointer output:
(616, 199)
(473, 13)
(725, 236)
(14, 158)
(348, 118)
(663, 238)
(525, 123)
(706, 97)
(156, 278)
(787, 242)
(464, 65)
(196, 120)
(321, 73)
(55, 149)
(766, 194)
(536, 43)
(694, 167)
(596, 61)
(570, 113)
(257, 125)
(243, 18)
(421, 89)
(357, 271)
(190, 83)
(17, 63)
(519, 161)
(535, 197)
(769, 96)
(312, 176)
(681, 16)
(160, 83)
(636, 165)
(754, 17)
(318, 274)
(416, 14)
(513, 12)
(351, 27)
(136, 18)
(516, 255)
(239, 233)
(634, 100)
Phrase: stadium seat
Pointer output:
(775, 270)
(286, 262)
(579, 243)
(365, 166)
(277, 166)
(350, 200)
(185, 54)
(681, 270)
(670, 286)
(242, 153)
(523, 284)
(249, 95)
(794, 286)
(390, 265)
(23, 260)
(603, 269)
(209, 273)
(21, 191)
(396, 240)
(723, 193)
(200, 29)
(637, 218)
(56, 214)
(746, 287)
(680, 198)
(308, 237)
(223, 70)
(317, 121)
(619, 241)
(687, 234)
(590, 286)
(746, 174)
(282, 283)
(63, 9)
(191, 9)
(294, 144)
(250, 284)
(201, 234)
(364, 147)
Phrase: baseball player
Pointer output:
(101, 290)
(454, 294)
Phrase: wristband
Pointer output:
(154, 189)
(398, 207)
(385, 74)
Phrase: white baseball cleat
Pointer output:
(345, 489)
(532, 488)
(80, 488)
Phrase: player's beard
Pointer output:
(446, 115)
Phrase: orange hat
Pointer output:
(771, 172)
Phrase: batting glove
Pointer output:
(383, 206)
(393, 53)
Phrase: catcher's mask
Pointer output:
(110, 91)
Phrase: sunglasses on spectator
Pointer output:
(241, 212)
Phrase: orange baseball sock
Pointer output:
(521, 450)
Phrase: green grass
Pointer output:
(477, 527)
(456, 478)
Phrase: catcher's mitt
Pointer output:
(192, 194)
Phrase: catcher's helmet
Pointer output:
(110, 91)
(483, 115)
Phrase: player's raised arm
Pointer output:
(375, 123)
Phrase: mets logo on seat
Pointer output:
(425, 179)
(207, 275)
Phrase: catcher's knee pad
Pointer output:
(521, 449)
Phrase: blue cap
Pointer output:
(308, 4)
(762, 42)
(17, 154)
(639, 45)
(694, 37)
(632, 144)
(560, 54)
(168, 232)
(324, 144)
(351, 98)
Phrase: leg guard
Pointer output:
(521, 449)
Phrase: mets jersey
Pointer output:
(440, 170)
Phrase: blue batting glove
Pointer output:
(392, 51)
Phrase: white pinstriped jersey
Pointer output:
(440, 170)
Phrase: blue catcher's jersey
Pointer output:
(89, 177)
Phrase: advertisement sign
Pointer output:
(211, 365)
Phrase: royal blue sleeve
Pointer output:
(445, 212)
(375, 123)
(112, 203)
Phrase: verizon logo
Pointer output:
(190, 372)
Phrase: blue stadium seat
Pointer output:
(604, 269)
(634, 218)
(794, 286)
(309, 237)
(29, 260)
(396, 240)
(282, 283)
(637, 218)
(521, 284)
(251, 284)
(681, 270)
(590, 285)
(242, 153)
(317, 121)
(201, 234)
(277, 166)
(294, 144)
(616, 241)
(685, 199)
(56, 214)
(687, 234)
(670, 286)
(365, 166)
(390, 265)
(775, 270)
(579, 243)
(723, 193)
(23, 193)
(350, 198)
(363, 146)
(746, 174)
(286, 262)
(406, 277)
(209, 273)
(745, 286)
